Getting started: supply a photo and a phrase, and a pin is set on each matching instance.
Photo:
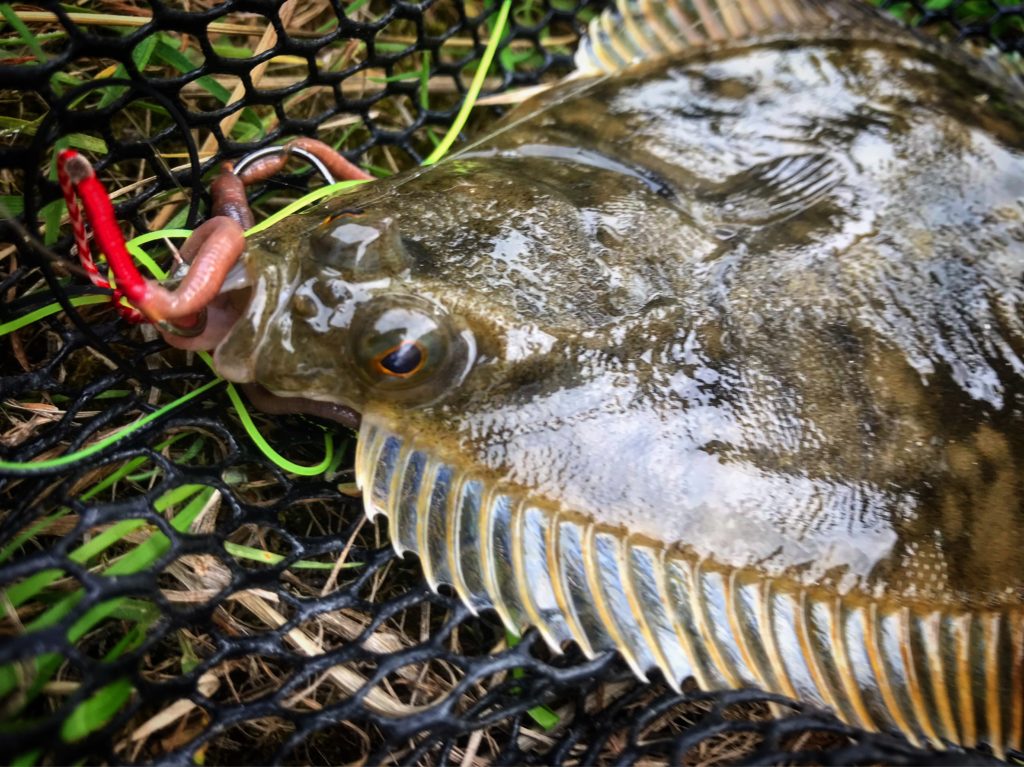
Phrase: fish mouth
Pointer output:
(940, 675)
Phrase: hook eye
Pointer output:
(268, 151)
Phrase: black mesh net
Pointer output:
(174, 595)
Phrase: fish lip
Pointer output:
(270, 402)
(237, 278)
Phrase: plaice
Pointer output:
(721, 361)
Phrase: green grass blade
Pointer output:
(24, 32)
(31, 532)
(11, 205)
(270, 558)
(100, 445)
(136, 560)
(93, 713)
(166, 53)
(542, 715)
(27, 759)
(48, 311)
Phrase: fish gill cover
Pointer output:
(169, 592)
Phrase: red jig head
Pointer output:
(212, 249)
(77, 177)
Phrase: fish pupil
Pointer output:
(403, 360)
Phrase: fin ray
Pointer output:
(775, 190)
(631, 31)
(939, 672)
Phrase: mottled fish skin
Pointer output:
(740, 389)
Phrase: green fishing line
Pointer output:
(474, 89)
(90, 450)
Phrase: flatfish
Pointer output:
(710, 355)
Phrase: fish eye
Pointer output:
(408, 349)
(403, 360)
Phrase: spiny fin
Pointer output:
(632, 31)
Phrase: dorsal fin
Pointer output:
(632, 31)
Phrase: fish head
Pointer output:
(415, 292)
